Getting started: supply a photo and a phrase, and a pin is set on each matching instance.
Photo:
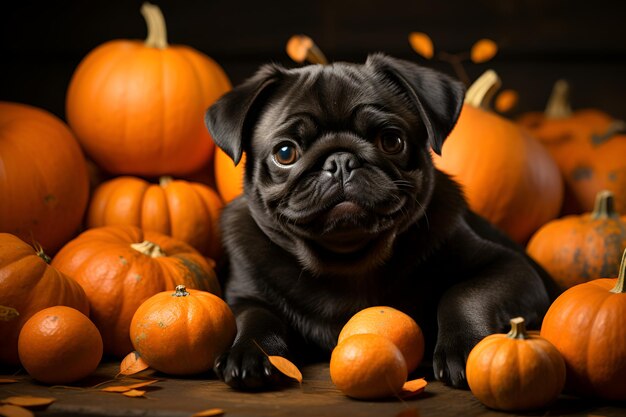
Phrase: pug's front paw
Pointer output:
(246, 367)
(449, 361)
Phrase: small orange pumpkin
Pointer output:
(138, 107)
(44, 185)
(121, 266)
(27, 285)
(586, 324)
(506, 175)
(515, 371)
(576, 248)
(182, 333)
(184, 210)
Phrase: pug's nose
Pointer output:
(341, 165)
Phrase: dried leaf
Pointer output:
(8, 380)
(413, 388)
(483, 51)
(8, 313)
(132, 364)
(28, 401)
(422, 44)
(134, 393)
(286, 367)
(211, 412)
(506, 101)
(126, 388)
(298, 47)
(409, 412)
(15, 411)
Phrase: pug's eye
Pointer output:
(286, 154)
(390, 142)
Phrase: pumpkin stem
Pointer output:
(620, 288)
(301, 48)
(157, 32)
(165, 180)
(558, 106)
(41, 253)
(518, 329)
(481, 92)
(181, 291)
(616, 127)
(604, 207)
(148, 248)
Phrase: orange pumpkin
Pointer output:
(44, 184)
(182, 333)
(586, 324)
(506, 175)
(184, 210)
(228, 176)
(27, 285)
(577, 248)
(121, 266)
(138, 107)
(587, 148)
(515, 371)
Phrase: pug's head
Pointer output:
(337, 156)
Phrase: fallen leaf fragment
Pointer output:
(28, 401)
(132, 364)
(286, 367)
(211, 412)
(409, 412)
(506, 100)
(483, 51)
(413, 388)
(134, 393)
(422, 44)
(126, 388)
(15, 411)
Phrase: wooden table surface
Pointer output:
(317, 397)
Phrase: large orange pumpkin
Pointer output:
(506, 175)
(577, 248)
(27, 285)
(121, 266)
(44, 184)
(184, 210)
(586, 146)
(138, 107)
(228, 176)
(586, 324)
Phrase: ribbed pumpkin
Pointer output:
(44, 184)
(515, 371)
(184, 210)
(586, 146)
(138, 107)
(182, 332)
(228, 176)
(577, 248)
(506, 175)
(27, 285)
(121, 266)
(586, 324)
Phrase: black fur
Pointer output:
(350, 226)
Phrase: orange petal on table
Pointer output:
(126, 388)
(211, 412)
(298, 46)
(413, 388)
(483, 51)
(506, 100)
(28, 401)
(15, 411)
(422, 44)
(132, 364)
(134, 393)
(286, 367)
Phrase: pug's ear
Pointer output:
(230, 119)
(437, 97)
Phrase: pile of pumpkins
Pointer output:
(140, 215)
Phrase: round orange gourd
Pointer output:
(586, 147)
(44, 185)
(506, 175)
(138, 107)
(393, 324)
(368, 366)
(515, 371)
(121, 266)
(59, 345)
(577, 248)
(586, 324)
(184, 210)
(27, 285)
(228, 177)
(183, 332)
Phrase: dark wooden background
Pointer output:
(41, 42)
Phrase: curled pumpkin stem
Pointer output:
(157, 31)
(558, 106)
(604, 207)
(518, 329)
(148, 248)
(620, 288)
(482, 91)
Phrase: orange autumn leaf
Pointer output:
(483, 51)
(286, 367)
(506, 101)
(126, 388)
(298, 47)
(132, 364)
(413, 388)
(211, 412)
(15, 411)
(28, 401)
(134, 393)
(422, 44)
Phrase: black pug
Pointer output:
(343, 210)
